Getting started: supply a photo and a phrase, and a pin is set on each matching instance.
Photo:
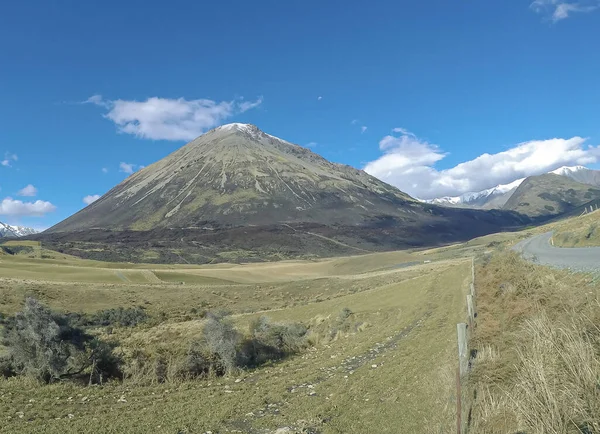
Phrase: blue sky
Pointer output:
(435, 83)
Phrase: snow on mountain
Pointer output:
(477, 198)
(497, 196)
(568, 171)
(8, 231)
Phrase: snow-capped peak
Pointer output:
(15, 231)
(475, 196)
(566, 170)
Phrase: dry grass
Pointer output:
(538, 365)
(403, 321)
(581, 231)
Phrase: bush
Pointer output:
(44, 345)
(221, 340)
(124, 317)
(271, 341)
(39, 342)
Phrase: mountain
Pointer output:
(550, 194)
(490, 198)
(237, 193)
(8, 231)
(580, 174)
(496, 197)
(233, 175)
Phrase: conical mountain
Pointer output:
(234, 175)
(237, 193)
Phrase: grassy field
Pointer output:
(392, 371)
(395, 373)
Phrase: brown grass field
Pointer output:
(392, 373)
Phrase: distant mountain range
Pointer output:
(8, 231)
(497, 197)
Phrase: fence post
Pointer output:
(458, 402)
(471, 311)
(463, 356)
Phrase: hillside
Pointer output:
(549, 195)
(237, 193)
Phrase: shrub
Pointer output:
(271, 341)
(39, 345)
(221, 340)
(46, 346)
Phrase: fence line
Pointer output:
(463, 330)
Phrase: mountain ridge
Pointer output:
(497, 196)
(9, 231)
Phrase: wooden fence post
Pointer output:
(458, 402)
(471, 311)
(463, 356)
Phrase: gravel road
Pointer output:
(540, 250)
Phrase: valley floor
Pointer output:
(395, 373)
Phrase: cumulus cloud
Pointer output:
(319, 98)
(28, 191)
(9, 159)
(408, 163)
(91, 199)
(557, 10)
(11, 207)
(170, 119)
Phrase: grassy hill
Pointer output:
(582, 231)
(550, 195)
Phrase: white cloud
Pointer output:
(97, 100)
(319, 98)
(311, 144)
(91, 199)
(354, 121)
(408, 163)
(363, 129)
(129, 168)
(11, 207)
(557, 10)
(9, 159)
(104, 170)
(170, 119)
(29, 191)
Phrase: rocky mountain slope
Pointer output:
(550, 194)
(237, 193)
(8, 231)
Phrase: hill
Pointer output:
(237, 193)
(549, 195)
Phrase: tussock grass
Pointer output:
(581, 231)
(537, 368)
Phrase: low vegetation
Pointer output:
(537, 340)
(582, 231)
